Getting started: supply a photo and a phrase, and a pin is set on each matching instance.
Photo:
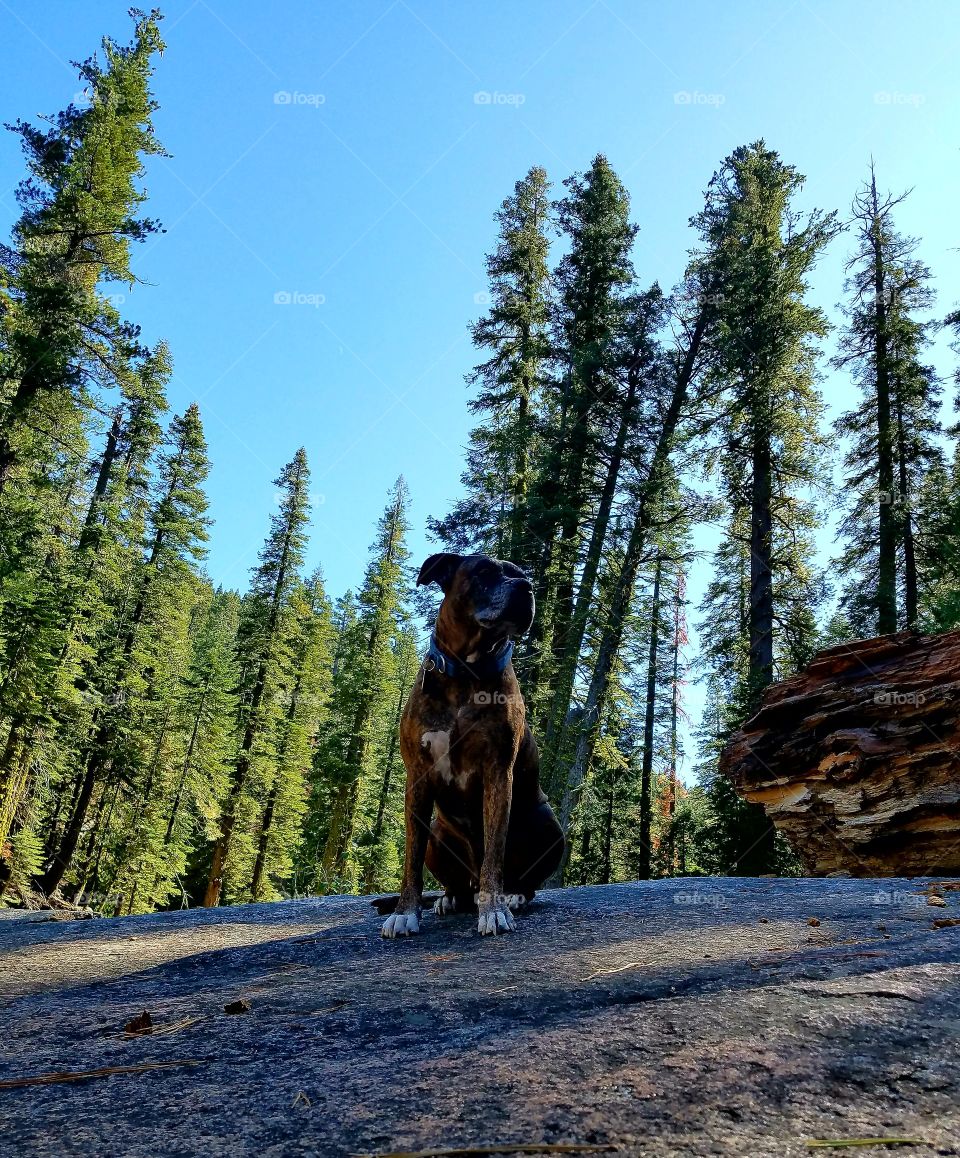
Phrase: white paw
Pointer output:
(495, 916)
(401, 925)
(445, 906)
(515, 902)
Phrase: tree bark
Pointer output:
(887, 531)
(649, 720)
(855, 757)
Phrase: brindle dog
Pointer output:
(469, 754)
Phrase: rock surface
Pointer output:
(857, 758)
(681, 1017)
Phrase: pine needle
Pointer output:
(104, 1072)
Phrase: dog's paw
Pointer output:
(495, 915)
(445, 906)
(401, 925)
(516, 901)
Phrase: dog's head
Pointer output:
(484, 600)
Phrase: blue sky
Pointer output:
(350, 157)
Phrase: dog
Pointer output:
(469, 754)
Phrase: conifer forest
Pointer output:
(166, 742)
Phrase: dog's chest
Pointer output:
(439, 746)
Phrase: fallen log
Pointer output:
(856, 759)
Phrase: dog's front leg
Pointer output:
(417, 811)
(495, 915)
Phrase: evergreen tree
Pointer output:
(279, 828)
(500, 458)
(266, 634)
(140, 657)
(363, 693)
(762, 388)
(140, 741)
(60, 337)
(938, 545)
(893, 432)
(591, 284)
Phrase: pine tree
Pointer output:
(492, 518)
(362, 703)
(591, 284)
(264, 641)
(893, 432)
(140, 656)
(761, 386)
(140, 741)
(80, 214)
(938, 546)
(308, 681)
(760, 251)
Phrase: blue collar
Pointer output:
(488, 665)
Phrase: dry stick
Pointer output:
(827, 1143)
(619, 969)
(159, 1030)
(105, 1072)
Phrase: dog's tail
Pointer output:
(387, 905)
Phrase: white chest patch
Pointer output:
(437, 745)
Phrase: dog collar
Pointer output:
(493, 664)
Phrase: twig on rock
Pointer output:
(103, 1072)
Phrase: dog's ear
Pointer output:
(439, 569)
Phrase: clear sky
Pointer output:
(335, 167)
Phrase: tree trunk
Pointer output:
(613, 628)
(679, 638)
(13, 778)
(905, 510)
(608, 830)
(760, 614)
(577, 629)
(649, 720)
(887, 531)
(263, 843)
(52, 878)
(370, 876)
